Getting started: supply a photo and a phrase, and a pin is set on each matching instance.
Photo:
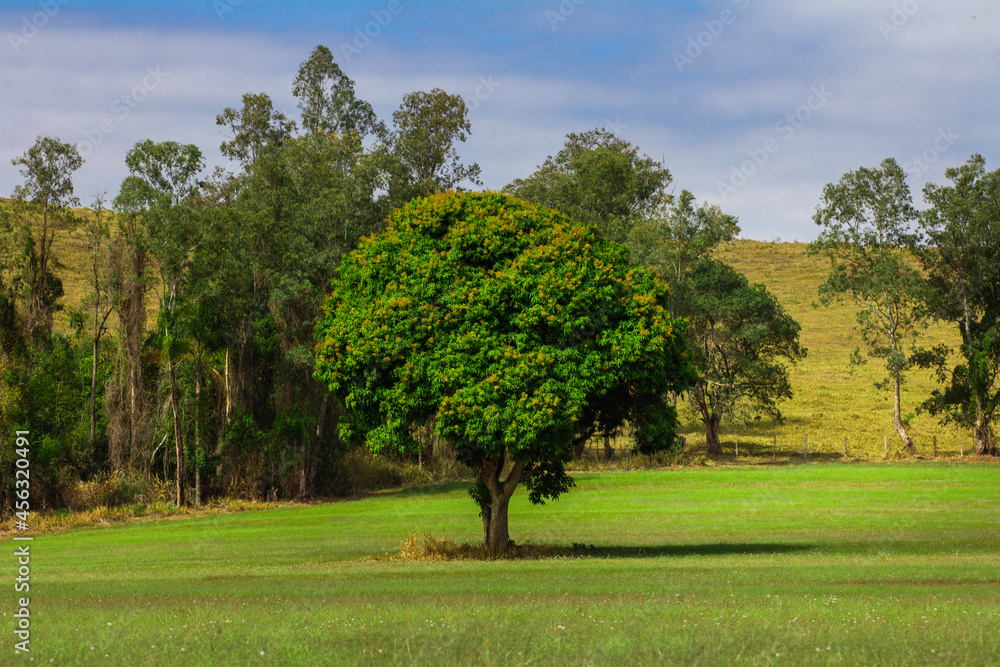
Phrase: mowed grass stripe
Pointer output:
(869, 563)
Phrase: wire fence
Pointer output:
(620, 445)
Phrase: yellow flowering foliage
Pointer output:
(515, 328)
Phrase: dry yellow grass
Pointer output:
(833, 400)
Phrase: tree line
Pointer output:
(218, 391)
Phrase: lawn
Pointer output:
(877, 564)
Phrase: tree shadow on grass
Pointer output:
(682, 550)
(428, 547)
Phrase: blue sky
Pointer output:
(753, 104)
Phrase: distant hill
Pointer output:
(832, 399)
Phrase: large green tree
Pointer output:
(739, 335)
(514, 329)
(962, 260)
(868, 222)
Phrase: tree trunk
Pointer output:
(197, 432)
(229, 391)
(178, 440)
(303, 454)
(135, 324)
(982, 433)
(608, 452)
(321, 419)
(580, 444)
(712, 443)
(897, 419)
(496, 537)
(699, 393)
(93, 384)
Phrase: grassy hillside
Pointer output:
(832, 400)
(877, 564)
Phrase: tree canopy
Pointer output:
(512, 328)
(600, 179)
(423, 156)
(740, 336)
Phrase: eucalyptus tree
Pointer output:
(962, 261)
(868, 224)
(246, 233)
(328, 102)
(160, 190)
(47, 193)
(97, 234)
(300, 202)
(599, 179)
(741, 340)
(425, 160)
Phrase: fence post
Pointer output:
(805, 449)
(845, 446)
(885, 445)
(737, 446)
(774, 451)
(935, 446)
(961, 449)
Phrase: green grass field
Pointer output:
(859, 564)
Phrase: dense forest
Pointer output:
(192, 356)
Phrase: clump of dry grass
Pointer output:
(114, 489)
(428, 547)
